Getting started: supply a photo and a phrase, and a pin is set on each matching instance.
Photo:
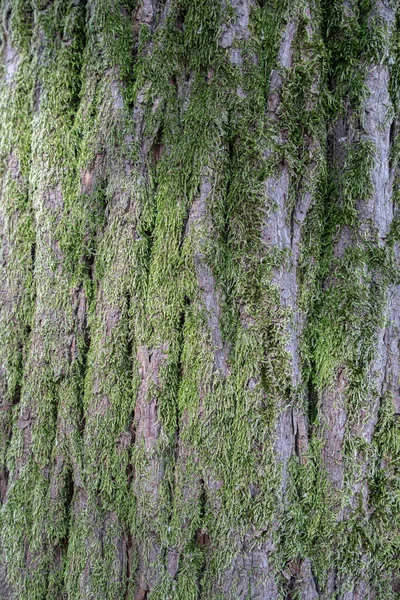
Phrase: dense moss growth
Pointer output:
(199, 310)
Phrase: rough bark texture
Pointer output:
(199, 300)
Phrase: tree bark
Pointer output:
(199, 300)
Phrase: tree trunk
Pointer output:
(200, 300)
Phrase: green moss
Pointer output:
(128, 250)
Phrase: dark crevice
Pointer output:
(129, 472)
(315, 580)
(7, 20)
(129, 346)
(180, 367)
(128, 558)
(184, 230)
(28, 331)
(129, 468)
(177, 438)
(148, 235)
(179, 378)
(37, 96)
(17, 394)
(393, 133)
(292, 227)
(76, 100)
(83, 369)
(291, 588)
(130, 357)
(185, 305)
(89, 260)
(181, 17)
(33, 256)
(4, 476)
(61, 548)
(312, 405)
(81, 423)
(335, 582)
(297, 448)
(202, 538)
(158, 147)
(128, 76)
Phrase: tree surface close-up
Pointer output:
(200, 300)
